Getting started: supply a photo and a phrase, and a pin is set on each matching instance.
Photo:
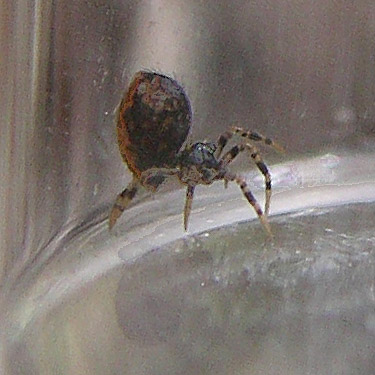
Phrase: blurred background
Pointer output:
(76, 299)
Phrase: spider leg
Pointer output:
(122, 202)
(188, 203)
(152, 178)
(232, 154)
(251, 199)
(265, 172)
(248, 134)
(254, 136)
(222, 142)
(228, 157)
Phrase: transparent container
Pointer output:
(222, 298)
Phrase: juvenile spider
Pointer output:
(154, 120)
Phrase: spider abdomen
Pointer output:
(154, 120)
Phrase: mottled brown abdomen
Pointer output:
(153, 122)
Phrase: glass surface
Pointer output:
(223, 298)
(148, 298)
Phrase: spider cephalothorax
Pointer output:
(153, 124)
(198, 164)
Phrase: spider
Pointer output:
(154, 121)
